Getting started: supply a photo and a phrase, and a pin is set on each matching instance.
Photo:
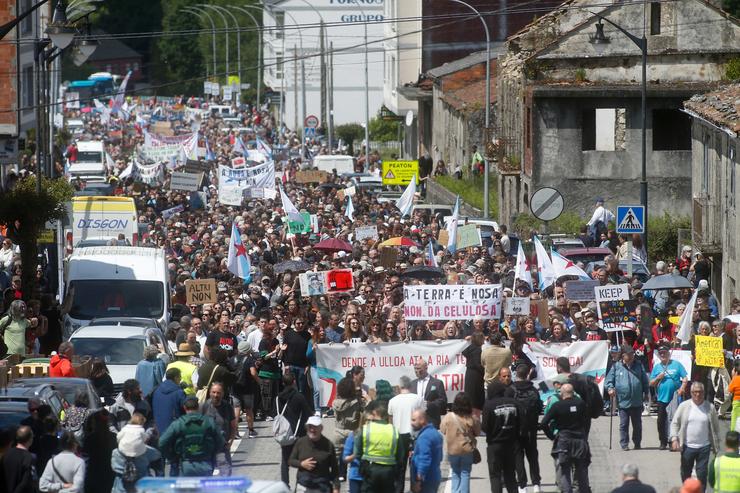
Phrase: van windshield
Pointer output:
(108, 298)
(113, 351)
(89, 157)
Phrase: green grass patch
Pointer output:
(471, 191)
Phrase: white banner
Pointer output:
(148, 173)
(366, 232)
(164, 148)
(260, 176)
(168, 213)
(455, 302)
(390, 361)
(516, 306)
(230, 195)
(185, 181)
(586, 357)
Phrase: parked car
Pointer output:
(14, 402)
(68, 387)
(120, 346)
(585, 255)
(639, 269)
(150, 323)
(562, 242)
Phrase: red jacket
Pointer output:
(59, 366)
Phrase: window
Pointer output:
(279, 25)
(103, 298)
(27, 23)
(528, 129)
(603, 129)
(279, 65)
(655, 18)
(671, 130)
(732, 158)
(113, 351)
(394, 78)
(705, 164)
(27, 90)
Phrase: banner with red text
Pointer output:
(452, 302)
(390, 361)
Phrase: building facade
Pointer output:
(570, 109)
(292, 47)
(715, 134)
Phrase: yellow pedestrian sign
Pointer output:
(399, 172)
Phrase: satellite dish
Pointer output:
(409, 118)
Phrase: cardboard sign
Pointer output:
(188, 182)
(200, 291)
(399, 172)
(709, 352)
(365, 232)
(260, 193)
(468, 236)
(538, 309)
(516, 306)
(388, 257)
(444, 237)
(615, 311)
(340, 281)
(311, 176)
(580, 290)
(618, 315)
(238, 162)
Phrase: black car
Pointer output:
(68, 387)
(14, 403)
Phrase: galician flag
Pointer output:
(545, 269)
(522, 272)
(566, 267)
(452, 228)
(238, 259)
(350, 210)
(431, 259)
(264, 149)
(686, 321)
(405, 202)
(289, 208)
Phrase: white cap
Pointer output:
(313, 421)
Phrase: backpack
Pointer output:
(593, 398)
(530, 400)
(282, 430)
(130, 474)
(194, 443)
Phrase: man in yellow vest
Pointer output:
(376, 447)
(188, 371)
(724, 472)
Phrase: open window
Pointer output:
(603, 129)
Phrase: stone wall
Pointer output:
(437, 194)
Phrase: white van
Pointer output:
(100, 219)
(115, 281)
(343, 164)
(90, 164)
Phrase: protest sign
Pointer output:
(169, 147)
(193, 166)
(618, 315)
(399, 172)
(364, 232)
(538, 308)
(238, 162)
(313, 283)
(230, 195)
(443, 237)
(516, 306)
(168, 213)
(585, 357)
(580, 290)
(390, 361)
(680, 355)
(300, 227)
(200, 291)
(347, 192)
(185, 181)
(709, 351)
(260, 176)
(468, 236)
(452, 302)
(608, 293)
(388, 257)
(260, 193)
(315, 176)
(340, 280)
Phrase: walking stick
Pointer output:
(611, 419)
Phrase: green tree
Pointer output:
(383, 130)
(733, 7)
(349, 132)
(180, 57)
(26, 212)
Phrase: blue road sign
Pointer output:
(631, 219)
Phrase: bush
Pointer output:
(663, 236)
(732, 69)
(471, 191)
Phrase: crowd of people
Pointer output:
(251, 356)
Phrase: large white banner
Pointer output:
(585, 357)
(165, 148)
(260, 176)
(390, 361)
(452, 302)
(148, 173)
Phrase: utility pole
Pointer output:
(322, 44)
(330, 121)
(295, 88)
(303, 104)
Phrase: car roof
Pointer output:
(50, 381)
(582, 251)
(130, 321)
(23, 392)
(110, 332)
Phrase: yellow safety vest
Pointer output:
(186, 374)
(726, 474)
(379, 443)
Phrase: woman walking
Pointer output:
(460, 429)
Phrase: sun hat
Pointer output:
(184, 350)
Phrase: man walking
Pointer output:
(220, 409)
(628, 382)
(376, 447)
(192, 441)
(400, 409)
(168, 400)
(18, 473)
(188, 371)
(525, 393)
(425, 384)
(724, 472)
(668, 376)
(425, 463)
(315, 457)
(631, 482)
(695, 432)
(502, 424)
(565, 424)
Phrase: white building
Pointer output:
(402, 45)
(285, 46)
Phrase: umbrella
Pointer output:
(331, 185)
(292, 265)
(666, 281)
(399, 241)
(423, 272)
(333, 245)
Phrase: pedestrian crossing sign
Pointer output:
(630, 219)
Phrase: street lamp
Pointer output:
(599, 40)
(259, 49)
(238, 42)
(226, 32)
(200, 14)
(59, 30)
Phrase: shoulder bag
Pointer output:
(473, 442)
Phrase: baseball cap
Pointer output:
(313, 421)
(663, 347)
(615, 349)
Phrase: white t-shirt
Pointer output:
(697, 427)
(254, 338)
(401, 407)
